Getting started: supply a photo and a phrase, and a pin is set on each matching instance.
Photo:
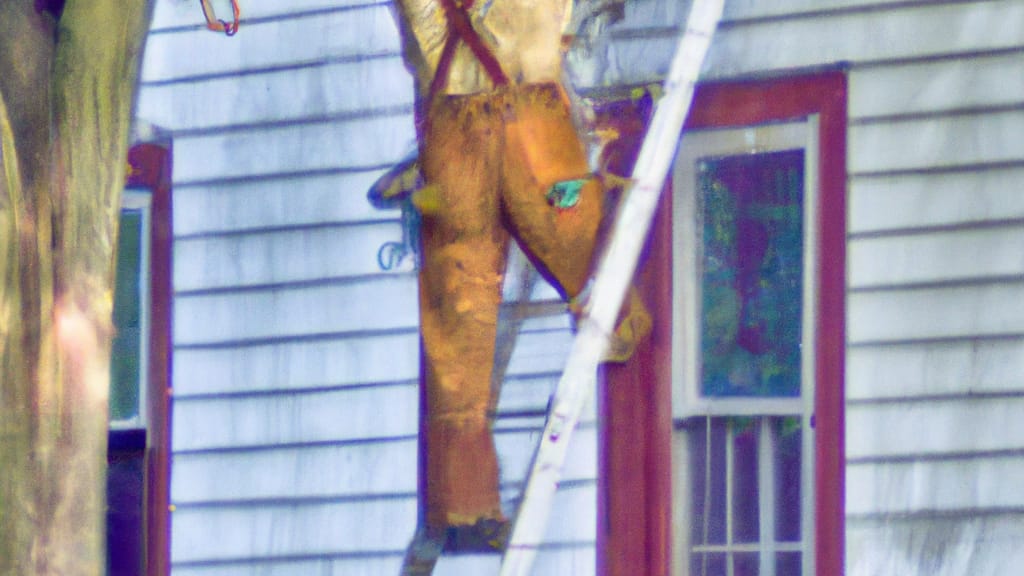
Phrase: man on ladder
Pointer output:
(500, 158)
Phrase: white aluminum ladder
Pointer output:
(611, 282)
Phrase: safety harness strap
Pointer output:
(460, 28)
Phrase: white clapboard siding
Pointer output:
(284, 95)
(946, 256)
(283, 256)
(939, 427)
(339, 469)
(987, 545)
(991, 137)
(321, 565)
(291, 529)
(287, 200)
(802, 37)
(306, 39)
(966, 311)
(935, 369)
(917, 200)
(338, 360)
(325, 526)
(332, 145)
(171, 14)
(292, 312)
(935, 485)
(915, 88)
(341, 360)
(347, 414)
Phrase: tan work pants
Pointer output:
(492, 158)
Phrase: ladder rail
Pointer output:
(611, 282)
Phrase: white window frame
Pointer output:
(140, 199)
(687, 402)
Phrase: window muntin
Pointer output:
(743, 369)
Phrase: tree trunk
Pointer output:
(66, 93)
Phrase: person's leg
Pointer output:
(464, 247)
(543, 148)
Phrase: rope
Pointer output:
(218, 25)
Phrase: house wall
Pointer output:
(296, 357)
(935, 341)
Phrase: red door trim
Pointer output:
(151, 168)
(634, 487)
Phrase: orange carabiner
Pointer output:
(218, 25)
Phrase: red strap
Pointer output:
(461, 28)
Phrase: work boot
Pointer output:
(633, 327)
(487, 536)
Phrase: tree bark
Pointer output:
(66, 94)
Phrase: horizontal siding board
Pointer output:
(298, 200)
(645, 13)
(345, 470)
(930, 143)
(337, 415)
(384, 525)
(344, 144)
(572, 518)
(178, 13)
(910, 201)
(280, 257)
(237, 533)
(342, 88)
(954, 312)
(913, 30)
(344, 361)
(912, 430)
(931, 87)
(979, 546)
(939, 257)
(297, 365)
(554, 561)
(527, 393)
(357, 566)
(993, 483)
(517, 450)
(386, 302)
(935, 369)
(542, 352)
(910, 31)
(258, 46)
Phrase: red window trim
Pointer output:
(635, 477)
(151, 168)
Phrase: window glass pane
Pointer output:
(125, 509)
(745, 527)
(745, 564)
(126, 347)
(708, 482)
(708, 564)
(787, 480)
(787, 564)
(752, 273)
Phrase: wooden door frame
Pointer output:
(635, 453)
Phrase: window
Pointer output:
(138, 467)
(757, 332)
(744, 408)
